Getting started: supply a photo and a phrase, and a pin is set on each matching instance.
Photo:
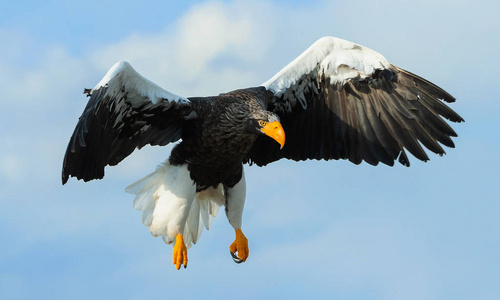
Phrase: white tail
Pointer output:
(170, 204)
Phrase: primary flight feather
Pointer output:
(337, 100)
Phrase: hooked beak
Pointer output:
(275, 131)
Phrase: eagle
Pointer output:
(337, 100)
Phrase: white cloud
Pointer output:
(150, 54)
(179, 58)
(206, 31)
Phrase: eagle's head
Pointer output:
(269, 124)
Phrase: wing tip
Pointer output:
(64, 178)
(86, 177)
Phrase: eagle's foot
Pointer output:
(239, 245)
(180, 253)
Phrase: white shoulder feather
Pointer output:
(337, 59)
(122, 78)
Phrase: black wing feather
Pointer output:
(111, 128)
(372, 120)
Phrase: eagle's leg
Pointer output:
(180, 253)
(239, 245)
(235, 201)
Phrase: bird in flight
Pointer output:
(337, 100)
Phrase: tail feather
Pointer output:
(214, 208)
(192, 224)
(210, 200)
(169, 207)
(147, 215)
(205, 214)
(144, 190)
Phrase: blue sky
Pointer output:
(320, 229)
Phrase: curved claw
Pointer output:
(235, 258)
(239, 245)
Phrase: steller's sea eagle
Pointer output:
(337, 100)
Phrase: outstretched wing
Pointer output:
(340, 100)
(125, 111)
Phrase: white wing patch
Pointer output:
(337, 59)
(122, 78)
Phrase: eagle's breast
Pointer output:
(215, 144)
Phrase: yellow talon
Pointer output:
(180, 253)
(239, 245)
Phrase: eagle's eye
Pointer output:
(262, 123)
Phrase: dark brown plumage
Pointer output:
(215, 143)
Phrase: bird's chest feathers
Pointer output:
(220, 136)
(226, 135)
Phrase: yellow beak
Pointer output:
(275, 131)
